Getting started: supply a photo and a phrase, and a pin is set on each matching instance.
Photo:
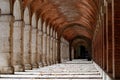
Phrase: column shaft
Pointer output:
(44, 49)
(39, 45)
(18, 45)
(51, 50)
(48, 49)
(6, 27)
(27, 53)
(33, 48)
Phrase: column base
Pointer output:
(44, 64)
(48, 63)
(56, 62)
(51, 62)
(6, 70)
(28, 67)
(40, 64)
(19, 68)
(35, 65)
(44, 61)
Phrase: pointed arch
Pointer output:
(44, 26)
(51, 31)
(17, 10)
(40, 24)
(54, 33)
(27, 15)
(34, 20)
(48, 29)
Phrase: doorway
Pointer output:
(81, 52)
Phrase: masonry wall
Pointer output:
(106, 42)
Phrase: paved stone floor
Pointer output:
(71, 70)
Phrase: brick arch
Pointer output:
(81, 37)
(87, 41)
(75, 26)
(78, 41)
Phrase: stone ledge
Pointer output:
(6, 18)
(7, 70)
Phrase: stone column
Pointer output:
(39, 42)
(18, 45)
(39, 45)
(44, 49)
(68, 51)
(6, 27)
(27, 54)
(56, 46)
(44, 45)
(54, 50)
(51, 46)
(72, 53)
(61, 50)
(48, 45)
(65, 51)
(33, 48)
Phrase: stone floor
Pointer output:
(71, 70)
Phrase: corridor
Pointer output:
(50, 39)
(70, 70)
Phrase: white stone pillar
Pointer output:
(27, 53)
(72, 53)
(65, 51)
(37, 48)
(18, 45)
(33, 47)
(51, 46)
(54, 53)
(39, 43)
(6, 27)
(48, 45)
(40, 48)
(44, 56)
(68, 57)
(61, 49)
(56, 47)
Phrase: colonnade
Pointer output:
(26, 41)
(64, 50)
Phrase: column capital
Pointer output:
(6, 18)
(19, 23)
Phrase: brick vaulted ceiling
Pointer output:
(70, 18)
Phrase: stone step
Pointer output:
(53, 76)
(71, 70)
(55, 73)
(50, 79)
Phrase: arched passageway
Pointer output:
(40, 33)
(81, 53)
